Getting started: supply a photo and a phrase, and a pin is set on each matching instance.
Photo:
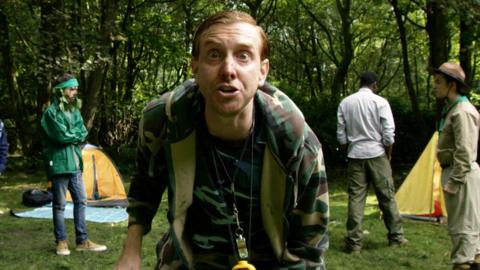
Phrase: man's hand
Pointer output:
(451, 188)
(388, 151)
(126, 262)
(344, 148)
(131, 259)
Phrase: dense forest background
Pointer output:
(127, 52)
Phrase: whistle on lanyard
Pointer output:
(243, 265)
(242, 250)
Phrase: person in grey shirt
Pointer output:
(366, 131)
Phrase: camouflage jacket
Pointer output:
(293, 192)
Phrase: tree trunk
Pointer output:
(437, 32)
(52, 27)
(259, 9)
(318, 66)
(438, 39)
(347, 49)
(15, 109)
(467, 37)
(406, 68)
(129, 52)
(95, 80)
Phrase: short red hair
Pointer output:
(229, 17)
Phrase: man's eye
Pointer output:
(244, 56)
(213, 54)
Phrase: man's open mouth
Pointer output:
(227, 89)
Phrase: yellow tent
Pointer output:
(421, 193)
(103, 183)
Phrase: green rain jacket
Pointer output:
(64, 132)
(294, 193)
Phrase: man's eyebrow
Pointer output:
(209, 38)
(210, 41)
(213, 40)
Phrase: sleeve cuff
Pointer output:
(452, 186)
(137, 217)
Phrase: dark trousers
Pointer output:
(378, 172)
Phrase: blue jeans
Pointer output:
(74, 183)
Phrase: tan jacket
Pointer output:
(458, 141)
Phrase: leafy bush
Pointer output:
(475, 99)
(410, 139)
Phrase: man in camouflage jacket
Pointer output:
(284, 183)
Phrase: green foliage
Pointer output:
(410, 139)
(475, 99)
(321, 115)
(147, 53)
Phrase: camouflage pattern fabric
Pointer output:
(293, 186)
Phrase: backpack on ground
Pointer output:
(36, 197)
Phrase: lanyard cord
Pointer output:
(215, 153)
(220, 183)
(231, 179)
(446, 110)
(251, 192)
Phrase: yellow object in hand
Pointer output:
(243, 265)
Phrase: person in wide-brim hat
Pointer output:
(454, 72)
(457, 152)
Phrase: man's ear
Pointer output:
(264, 68)
(452, 85)
(194, 65)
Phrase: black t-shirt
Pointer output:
(210, 225)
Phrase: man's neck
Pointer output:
(232, 128)
(368, 87)
(452, 98)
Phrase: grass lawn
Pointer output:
(29, 243)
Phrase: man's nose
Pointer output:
(228, 69)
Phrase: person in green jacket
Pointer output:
(64, 132)
(245, 174)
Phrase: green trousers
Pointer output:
(378, 172)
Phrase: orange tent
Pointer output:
(102, 180)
